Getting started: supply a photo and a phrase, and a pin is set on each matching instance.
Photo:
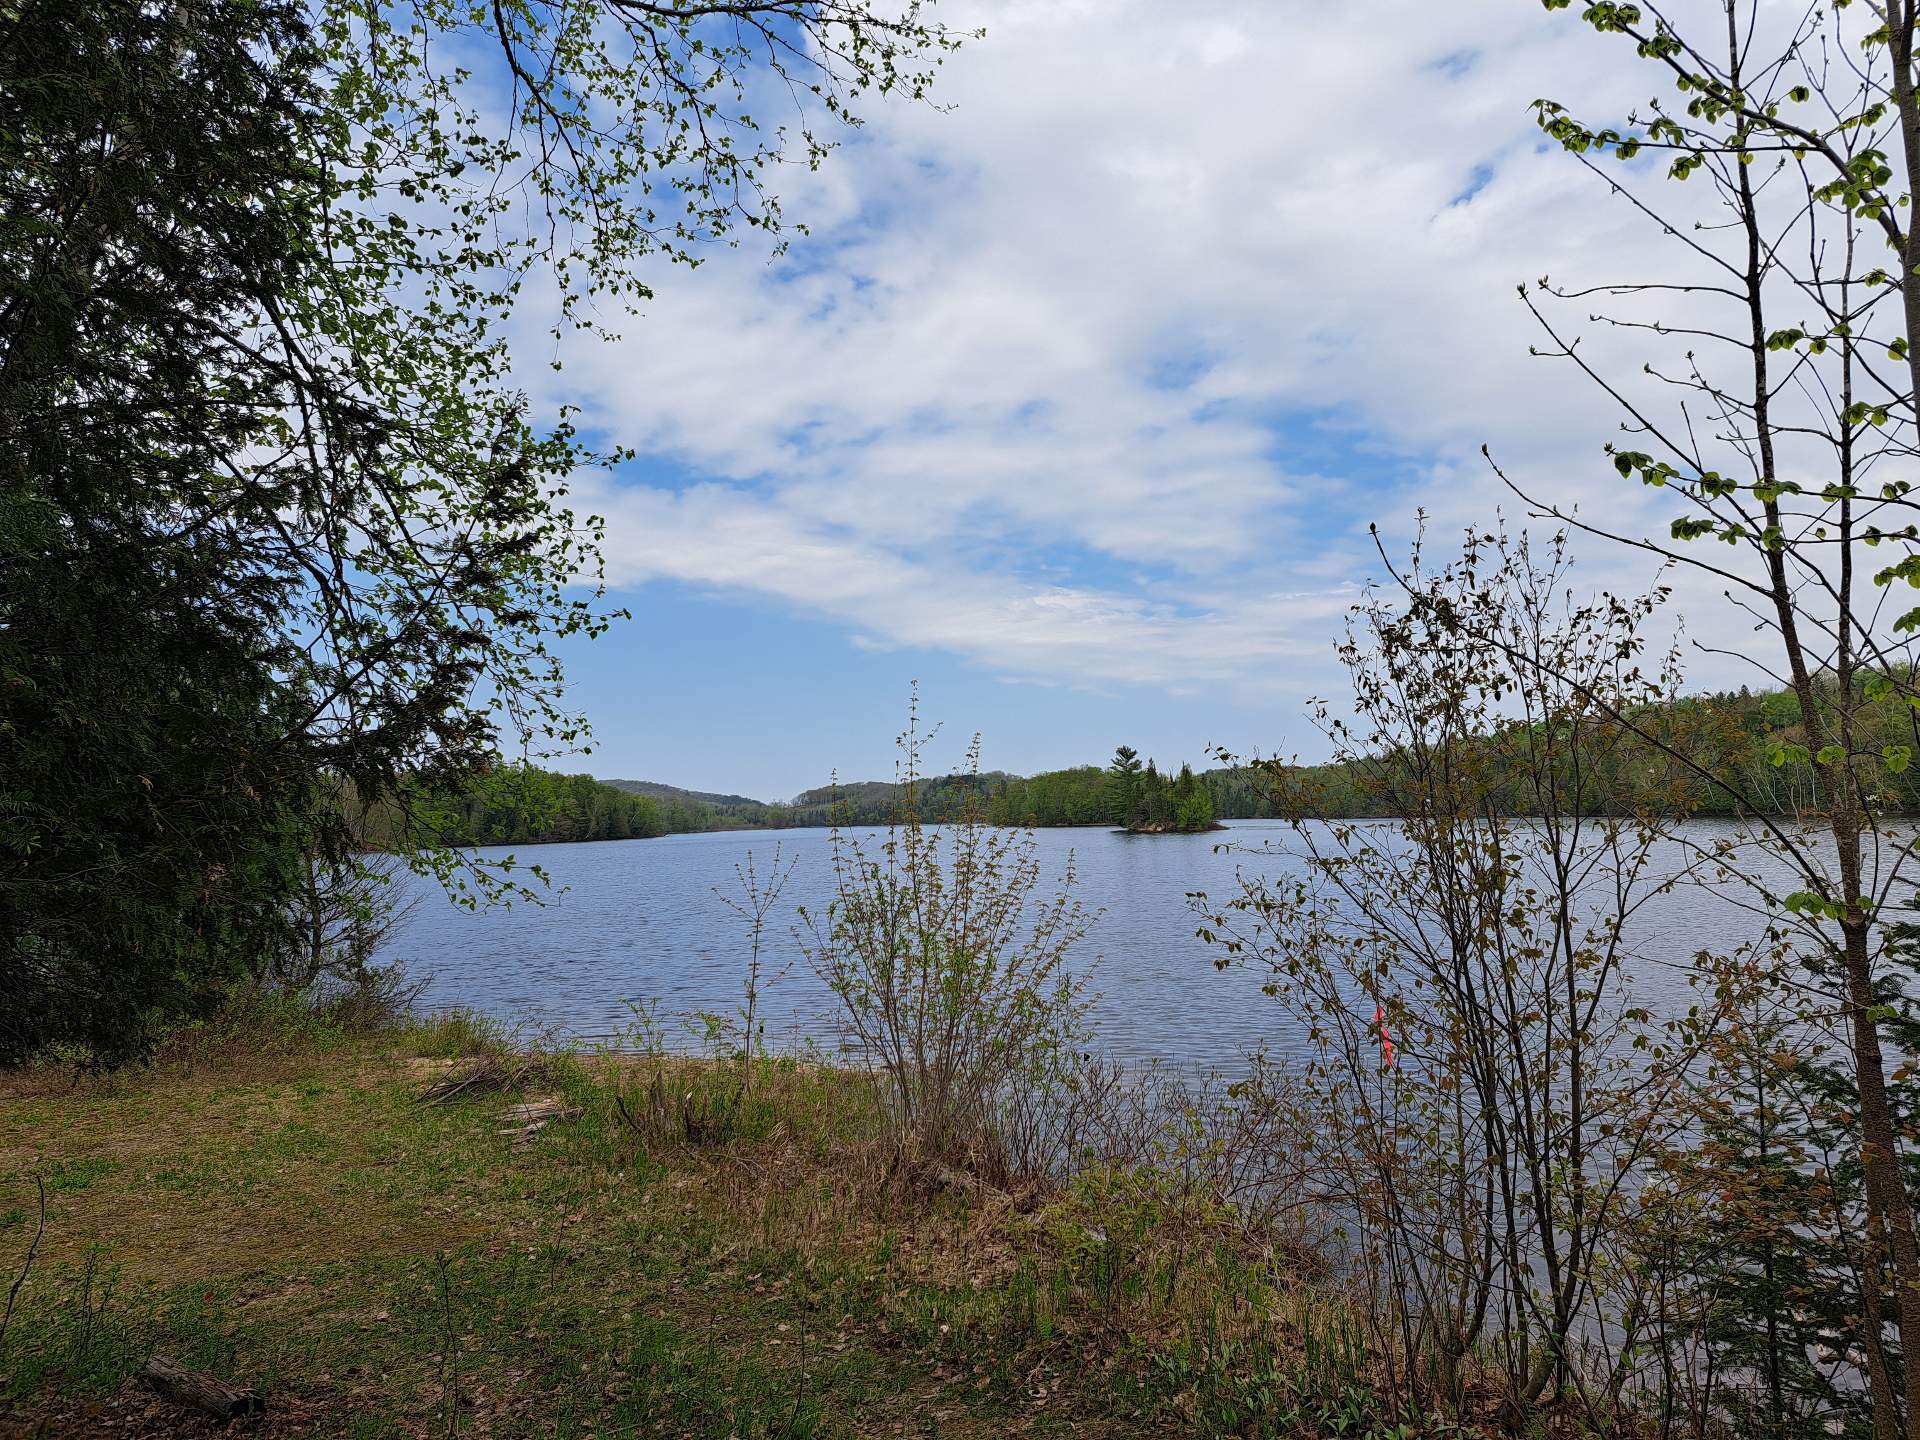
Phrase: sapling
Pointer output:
(753, 904)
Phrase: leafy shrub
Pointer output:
(950, 966)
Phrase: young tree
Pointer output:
(1463, 977)
(753, 903)
(342, 915)
(1771, 1231)
(1786, 331)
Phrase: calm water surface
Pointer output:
(638, 921)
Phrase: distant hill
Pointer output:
(858, 802)
(689, 810)
(687, 797)
(525, 805)
(866, 794)
(863, 799)
(861, 792)
(876, 802)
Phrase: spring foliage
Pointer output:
(276, 524)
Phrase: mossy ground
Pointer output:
(302, 1223)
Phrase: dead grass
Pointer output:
(197, 1176)
(381, 1267)
(664, 1257)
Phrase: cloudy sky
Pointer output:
(1079, 400)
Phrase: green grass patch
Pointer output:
(679, 1254)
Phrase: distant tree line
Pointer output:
(1753, 740)
(526, 805)
(1745, 743)
(1131, 794)
(1142, 799)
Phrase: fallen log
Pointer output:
(199, 1391)
(523, 1122)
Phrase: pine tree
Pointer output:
(1125, 787)
(1193, 803)
(1156, 803)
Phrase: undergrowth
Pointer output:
(679, 1254)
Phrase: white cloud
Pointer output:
(1036, 390)
(713, 536)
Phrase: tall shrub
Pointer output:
(950, 960)
(1475, 1097)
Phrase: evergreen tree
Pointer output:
(154, 822)
(1193, 803)
(1124, 789)
(1785, 1288)
(1772, 1261)
(1155, 809)
(276, 530)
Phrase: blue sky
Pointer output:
(777, 702)
(1079, 400)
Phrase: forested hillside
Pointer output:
(1691, 757)
(743, 806)
(524, 805)
(1751, 742)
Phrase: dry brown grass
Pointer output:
(293, 1207)
(208, 1174)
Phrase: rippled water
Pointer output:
(638, 921)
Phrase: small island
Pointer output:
(1146, 802)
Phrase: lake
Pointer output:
(638, 921)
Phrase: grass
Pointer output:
(668, 1261)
